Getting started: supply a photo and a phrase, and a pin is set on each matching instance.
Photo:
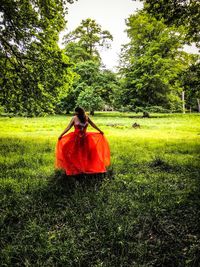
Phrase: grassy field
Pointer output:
(144, 212)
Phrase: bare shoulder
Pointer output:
(73, 119)
(76, 119)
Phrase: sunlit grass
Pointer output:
(145, 212)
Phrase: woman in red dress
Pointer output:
(82, 152)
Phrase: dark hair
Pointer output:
(81, 114)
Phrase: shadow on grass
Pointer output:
(69, 183)
(70, 221)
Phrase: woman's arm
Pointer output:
(94, 125)
(67, 128)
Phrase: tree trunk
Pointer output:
(183, 101)
(92, 112)
(146, 114)
(198, 102)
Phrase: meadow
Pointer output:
(144, 212)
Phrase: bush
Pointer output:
(152, 109)
(1, 110)
(127, 108)
(157, 109)
(89, 100)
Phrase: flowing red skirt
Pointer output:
(82, 152)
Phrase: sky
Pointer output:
(111, 15)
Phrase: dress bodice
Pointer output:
(80, 126)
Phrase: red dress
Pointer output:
(81, 152)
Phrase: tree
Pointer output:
(151, 63)
(89, 100)
(191, 85)
(78, 54)
(40, 85)
(82, 47)
(107, 86)
(104, 84)
(89, 38)
(86, 75)
(34, 69)
(177, 12)
(24, 21)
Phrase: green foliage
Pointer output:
(82, 47)
(151, 63)
(178, 12)
(89, 73)
(191, 84)
(86, 39)
(25, 21)
(34, 71)
(107, 86)
(145, 212)
(1, 110)
(89, 100)
(40, 86)
(77, 53)
(152, 109)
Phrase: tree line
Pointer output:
(37, 77)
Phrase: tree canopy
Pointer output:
(23, 22)
(152, 62)
(88, 38)
(37, 77)
(83, 46)
(177, 12)
(34, 69)
(191, 84)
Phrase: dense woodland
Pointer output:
(37, 77)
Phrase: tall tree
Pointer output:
(107, 86)
(86, 76)
(90, 37)
(152, 63)
(78, 54)
(178, 12)
(30, 55)
(191, 84)
(83, 46)
(23, 21)
(93, 80)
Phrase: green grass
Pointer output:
(144, 212)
